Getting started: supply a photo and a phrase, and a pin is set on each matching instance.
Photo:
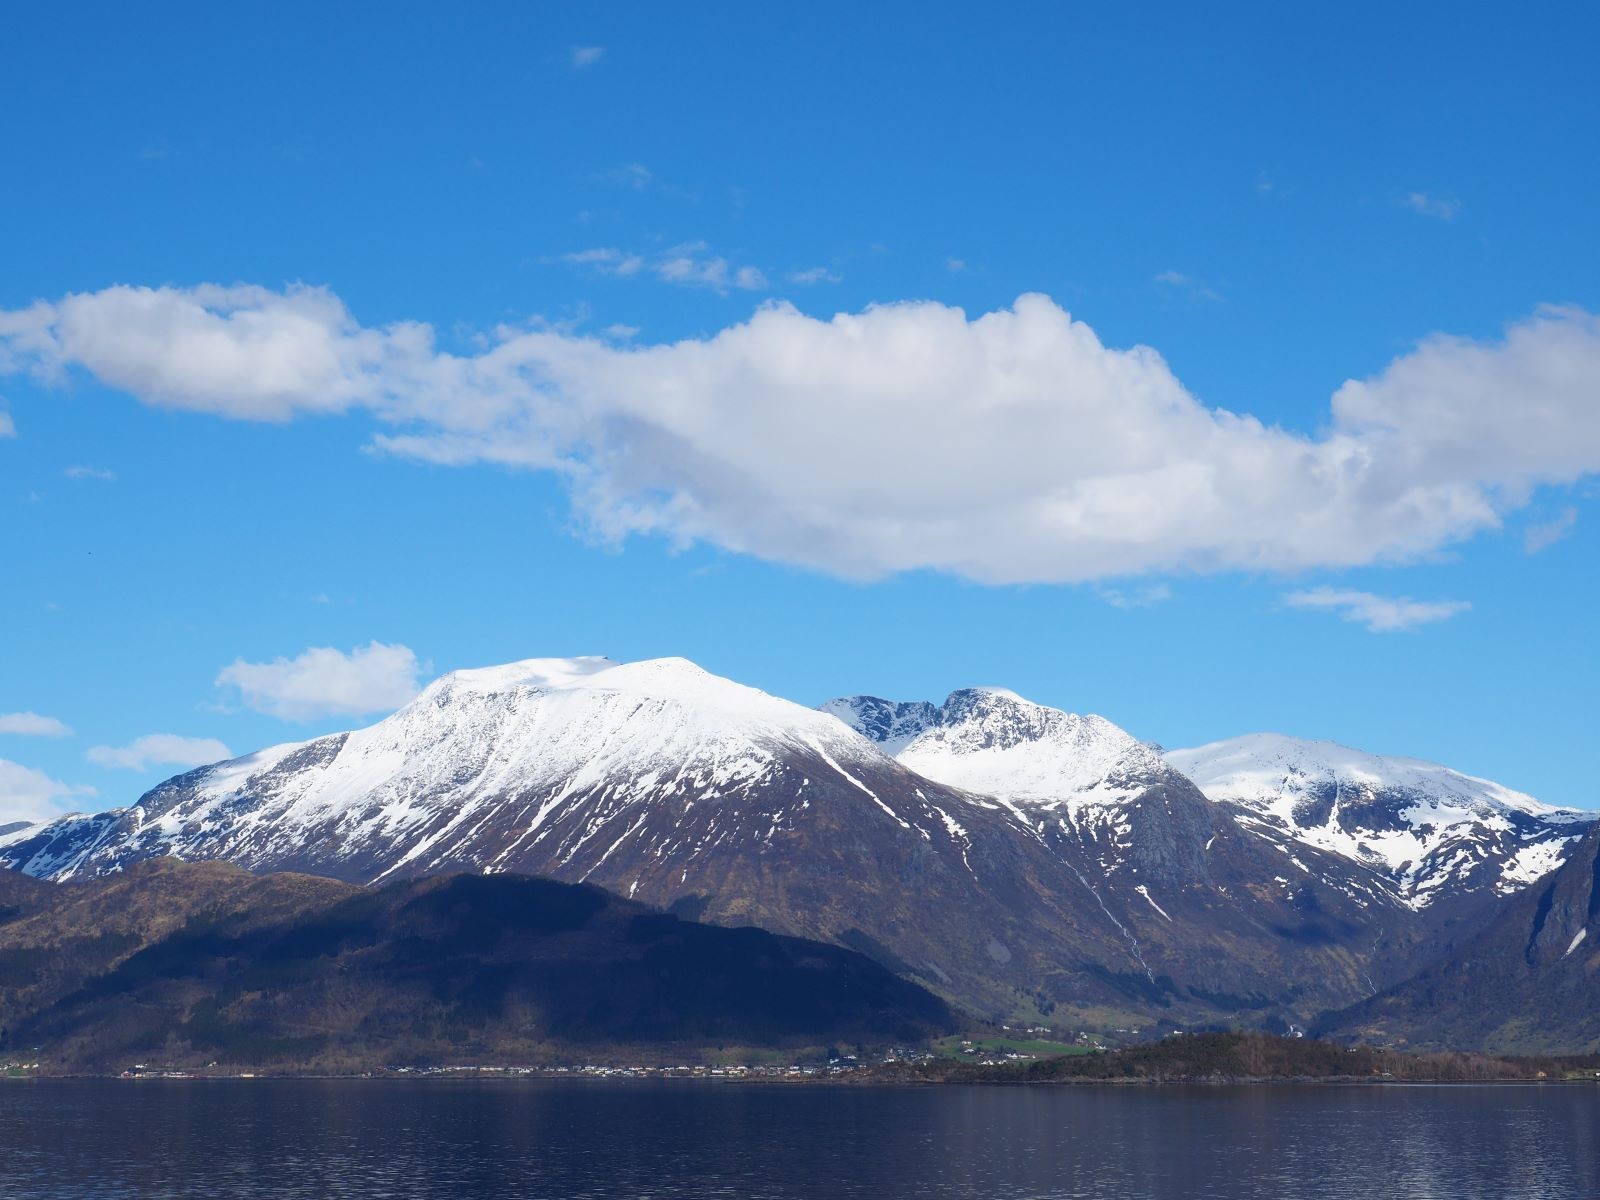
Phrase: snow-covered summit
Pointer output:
(548, 673)
(992, 741)
(1422, 823)
(674, 689)
(472, 749)
(1260, 765)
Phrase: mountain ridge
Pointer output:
(1086, 873)
(1433, 832)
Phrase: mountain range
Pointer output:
(1017, 860)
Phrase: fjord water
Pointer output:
(561, 1138)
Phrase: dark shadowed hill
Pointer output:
(458, 968)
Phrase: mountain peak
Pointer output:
(993, 741)
(694, 694)
(1432, 830)
(1264, 764)
(548, 673)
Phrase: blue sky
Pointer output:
(635, 428)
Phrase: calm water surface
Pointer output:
(348, 1138)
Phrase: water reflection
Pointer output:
(425, 1138)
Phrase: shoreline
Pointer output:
(422, 1077)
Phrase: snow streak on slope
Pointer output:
(1434, 831)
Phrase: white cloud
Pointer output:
(30, 795)
(586, 56)
(1380, 614)
(8, 427)
(1547, 533)
(1430, 204)
(812, 275)
(82, 472)
(1010, 447)
(323, 682)
(956, 266)
(160, 750)
(31, 724)
(246, 351)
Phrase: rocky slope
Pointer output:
(1528, 983)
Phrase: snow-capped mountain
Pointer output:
(1059, 774)
(1437, 835)
(1135, 831)
(435, 778)
(993, 741)
(1126, 892)
(1083, 782)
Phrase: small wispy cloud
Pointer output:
(956, 266)
(693, 265)
(630, 175)
(31, 724)
(586, 56)
(97, 473)
(1380, 614)
(1138, 597)
(1431, 204)
(160, 750)
(8, 427)
(689, 264)
(1548, 533)
(606, 259)
(1177, 281)
(814, 275)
